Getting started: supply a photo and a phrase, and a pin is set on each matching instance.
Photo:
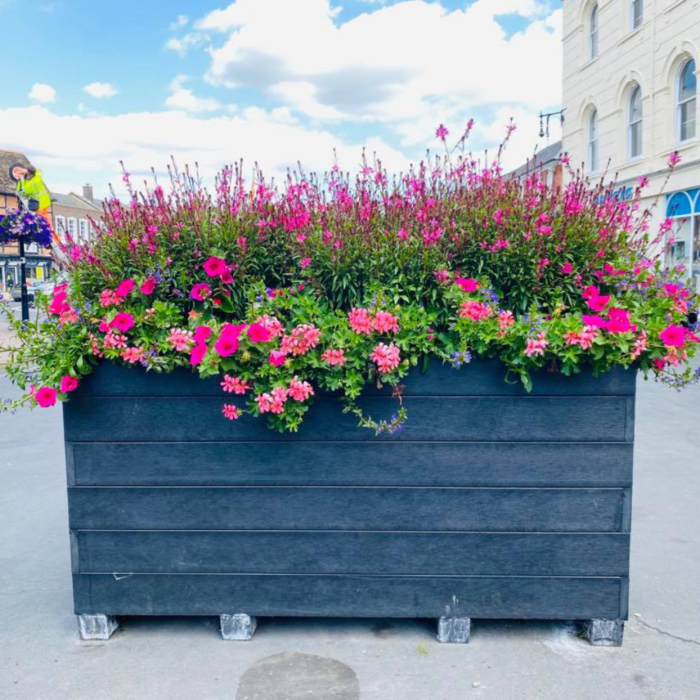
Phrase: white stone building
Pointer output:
(631, 71)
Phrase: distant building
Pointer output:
(38, 260)
(547, 162)
(76, 214)
(631, 71)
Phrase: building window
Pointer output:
(637, 13)
(60, 225)
(72, 227)
(83, 230)
(593, 32)
(683, 247)
(634, 123)
(687, 105)
(593, 159)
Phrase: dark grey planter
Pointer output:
(492, 503)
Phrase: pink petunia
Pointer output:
(122, 322)
(45, 397)
(591, 292)
(201, 334)
(619, 321)
(125, 288)
(227, 343)
(599, 303)
(200, 291)
(68, 383)
(277, 358)
(567, 268)
(215, 267)
(467, 284)
(258, 333)
(148, 287)
(272, 324)
(673, 336)
(595, 321)
(197, 353)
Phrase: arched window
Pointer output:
(593, 154)
(637, 13)
(687, 93)
(593, 32)
(634, 123)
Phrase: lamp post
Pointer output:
(23, 283)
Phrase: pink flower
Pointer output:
(299, 390)
(360, 321)
(619, 321)
(227, 343)
(674, 159)
(643, 181)
(594, 321)
(334, 358)
(114, 340)
(226, 277)
(567, 268)
(386, 357)
(591, 292)
(110, 298)
(148, 287)
(303, 338)
(385, 322)
(304, 263)
(640, 345)
(132, 355)
(122, 322)
(201, 334)
(599, 303)
(441, 132)
(200, 291)
(197, 354)
(277, 358)
(505, 319)
(125, 287)
(272, 324)
(258, 333)
(536, 346)
(673, 336)
(467, 284)
(68, 383)
(180, 339)
(45, 397)
(475, 310)
(234, 385)
(272, 402)
(231, 411)
(215, 267)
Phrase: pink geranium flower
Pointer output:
(231, 411)
(68, 383)
(258, 333)
(277, 358)
(45, 397)
(179, 339)
(148, 287)
(122, 322)
(467, 284)
(536, 346)
(132, 355)
(334, 358)
(272, 324)
(673, 336)
(215, 267)
(227, 343)
(234, 385)
(272, 402)
(360, 321)
(299, 390)
(200, 291)
(386, 357)
(110, 298)
(303, 338)
(125, 288)
(385, 322)
(475, 310)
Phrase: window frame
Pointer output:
(634, 13)
(593, 32)
(681, 103)
(639, 123)
(593, 144)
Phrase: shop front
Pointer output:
(684, 209)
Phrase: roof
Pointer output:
(75, 201)
(7, 160)
(549, 155)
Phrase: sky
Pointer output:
(274, 82)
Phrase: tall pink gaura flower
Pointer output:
(442, 132)
(386, 357)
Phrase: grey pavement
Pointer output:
(42, 657)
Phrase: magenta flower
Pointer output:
(197, 354)
(674, 159)
(567, 268)
(619, 321)
(304, 263)
(231, 411)
(200, 291)
(215, 267)
(148, 287)
(258, 333)
(125, 287)
(68, 383)
(599, 303)
(441, 132)
(45, 397)
(673, 336)
(467, 284)
(201, 334)
(227, 343)
(122, 322)
(594, 321)
(277, 357)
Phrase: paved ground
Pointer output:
(42, 658)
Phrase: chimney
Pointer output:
(87, 192)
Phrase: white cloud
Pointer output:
(183, 98)
(100, 90)
(78, 148)
(41, 92)
(184, 44)
(180, 22)
(407, 65)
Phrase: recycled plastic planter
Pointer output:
(492, 503)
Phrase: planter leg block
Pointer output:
(604, 633)
(238, 627)
(455, 630)
(93, 627)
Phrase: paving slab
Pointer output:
(42, 657)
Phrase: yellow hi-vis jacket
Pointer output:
(35, 189)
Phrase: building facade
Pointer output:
(76, 215)
(38, 260)
(631, 70)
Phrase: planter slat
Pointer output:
(482, 378)
(346, 463)
(347, 508)
(530, 418)
(350, 596)
(314, 552)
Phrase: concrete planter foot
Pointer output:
(238, 627)
(454, 630)
(97, 627)
(604, 633)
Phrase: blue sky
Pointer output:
(267, 80)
